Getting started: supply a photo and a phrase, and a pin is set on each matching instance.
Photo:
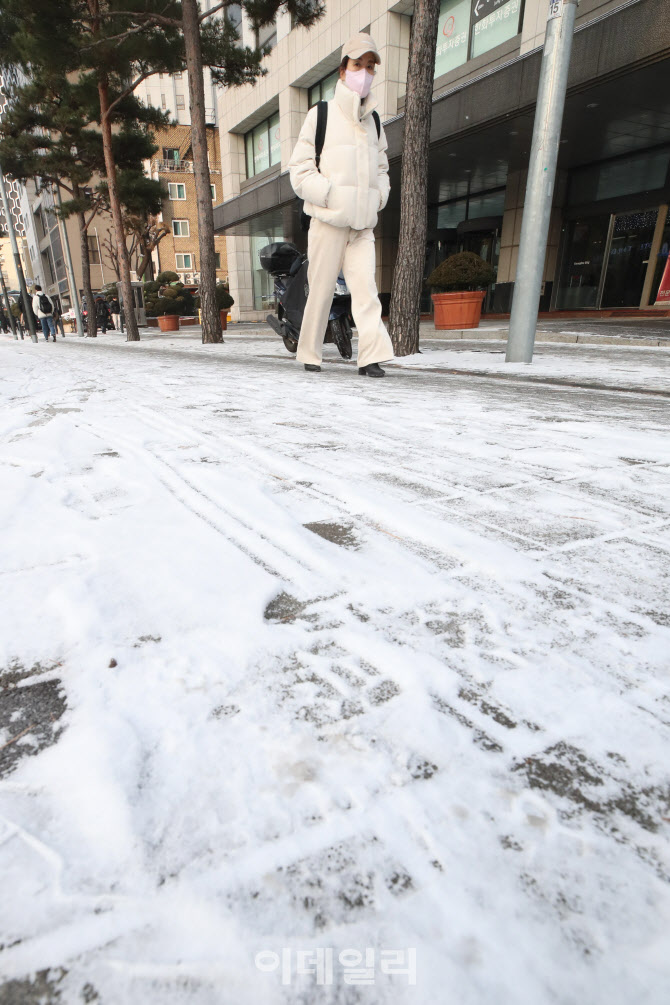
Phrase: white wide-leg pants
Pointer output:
(332, 250)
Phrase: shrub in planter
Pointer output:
(460, 278)
(462, 271)
(165, 306)
(151, 295)
(223, 297)
(163, 278)
(223, 302)
(181, 299)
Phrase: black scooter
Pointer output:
(289, 270)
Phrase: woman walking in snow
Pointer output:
(343, 196)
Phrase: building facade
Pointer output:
(173, 165)
(169, 91)
(609, 233)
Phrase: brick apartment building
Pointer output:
(173, 165)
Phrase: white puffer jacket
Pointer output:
(351, 184)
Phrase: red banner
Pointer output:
(663, 295)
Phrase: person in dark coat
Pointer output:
(116, 313)
(102, 315)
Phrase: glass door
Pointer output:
(486, 244)
(586, 243)
(628, 258)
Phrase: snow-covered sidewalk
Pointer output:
(300, 664)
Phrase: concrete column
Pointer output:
(292, 111)
(391, 33)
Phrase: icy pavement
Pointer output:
(642, 369)
(300, 665)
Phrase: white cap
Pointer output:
(358, 45)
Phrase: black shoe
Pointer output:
(312, 368)
(372, 370)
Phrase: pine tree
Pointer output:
(50, 131)
(213, 42)
(79, 39)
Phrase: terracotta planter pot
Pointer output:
(457, 310)
(224, 319)
(169, 323)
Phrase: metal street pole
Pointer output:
(27, 307)
(541, 177)
(70, 271)
(10, 316)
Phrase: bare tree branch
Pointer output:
(116, 38)
(169, 22)
(129, 90)
(214, 10)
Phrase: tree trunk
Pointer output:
(144, 263)
(408, 274)
(211, 319)
(133, 334)
(91, 322)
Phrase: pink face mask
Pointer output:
(359, 81)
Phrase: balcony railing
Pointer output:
(169, 166)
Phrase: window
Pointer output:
(217, 259)
(213, 191)
(267, 36)
(179, 99)
(325, 89)
(184, 262)
(234, 16)
(468, 28)
(44, 220)
(176, 191)
(163, 101)
(180, 228)
(473, 207)
(93, 250)
(170, 153)
(262, 146)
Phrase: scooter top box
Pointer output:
(278, 258)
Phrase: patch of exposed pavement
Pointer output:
(30, 714)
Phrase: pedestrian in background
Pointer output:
(44, 309)
(17, 314)
(4, 322)
(115, 309)
(343, 196)
(58, 318)
(102, 313)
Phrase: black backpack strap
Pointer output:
(375, 116)
(321, 123)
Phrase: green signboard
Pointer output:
(452, 35)
(496, 27)
(468, 28)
